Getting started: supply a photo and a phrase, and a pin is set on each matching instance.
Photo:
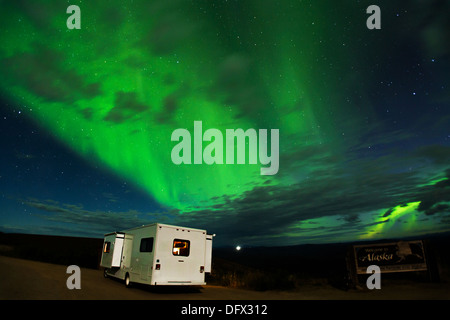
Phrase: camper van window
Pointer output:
(107, 247)
(146, 245)
(181, 247)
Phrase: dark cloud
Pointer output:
(297, 160)
(47, 207)
(111, 197)
(352, 218)
(438, 208)
(39, 14)
(434, 26)
(43, 73)
(171, 28)
(236, 81)
(433, 198)
(99, 222)
(388, 212)
(170, 32)
(446, 220)
(87, 113)
(438, 154)
(171, 104)
(126, 106)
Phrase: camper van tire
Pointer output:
(127, 281)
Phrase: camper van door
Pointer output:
(208, 253)
(117, 253)
(127, 251)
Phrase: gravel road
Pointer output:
(31, 280)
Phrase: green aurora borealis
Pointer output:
(115, 90)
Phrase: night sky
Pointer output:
(86, 117)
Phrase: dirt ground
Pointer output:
(31, 280)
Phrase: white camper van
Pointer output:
(158, 254)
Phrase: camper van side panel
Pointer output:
(142, 252)
(173, 264)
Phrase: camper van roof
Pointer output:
(160, 225)
(115, 232)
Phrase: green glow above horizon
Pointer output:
(402, 217)
(434, 181)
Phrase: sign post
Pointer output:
(391, 257)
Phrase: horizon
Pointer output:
(422, 237)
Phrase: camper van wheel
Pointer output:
(127, 281)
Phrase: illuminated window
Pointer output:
(107, 247)
(146, 245)
(181, 247)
